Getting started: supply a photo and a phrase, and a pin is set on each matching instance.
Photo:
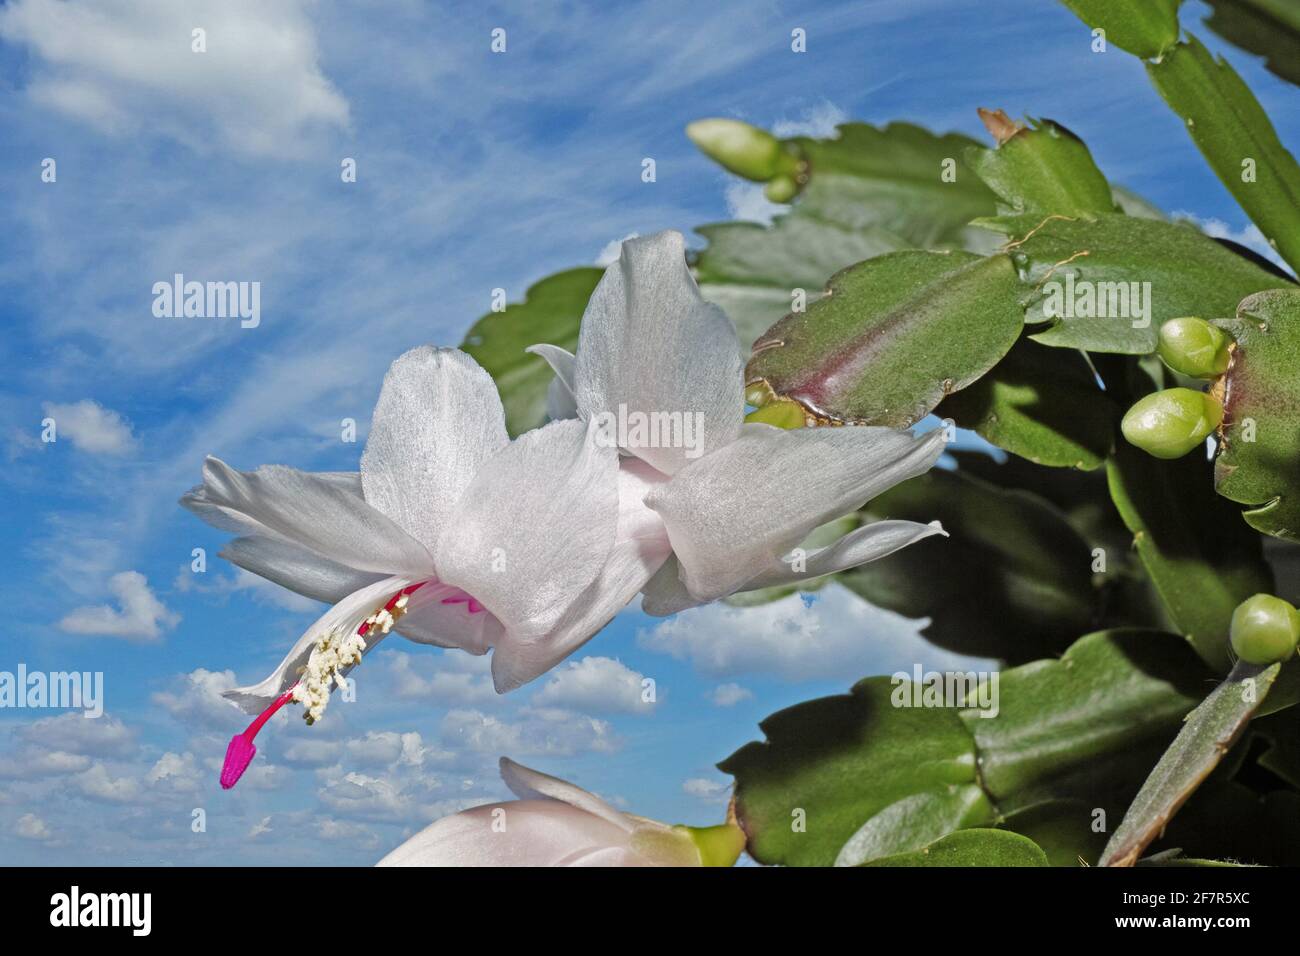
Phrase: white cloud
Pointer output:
(195, 698)
(91, 427)
(128, 65)
(599, 685)
(713, 791)
(260, 589)
(32, 827)
(141, 616)
(545, 731)
(74, 734)
(729, 695)
(818, 122)
(260, 827)
(179, 773)
(459, 680)
(31, 764)
(98, 784)
(829, 635)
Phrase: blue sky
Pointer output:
(475, 171)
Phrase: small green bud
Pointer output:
(1264, 629)
(718, 846)
(1171, 423)
(782, 413)
(743, 149)
(1194, 347)
(781, 189)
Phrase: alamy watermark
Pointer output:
(1085, 299)
(636, 429)
(967, 690)
(180, 299)
(56, 690)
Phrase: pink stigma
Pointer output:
(241, 751)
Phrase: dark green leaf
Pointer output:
(1269, 28)
(892, 337)
(1236, 137)
(550, 313)
(972, 848)
(830, 765)
(1210, 731)
(1065, 829)
(1042, 404)
(1142, 27)
(1202, 561)
(1259, 464)
(1013, 580)
(1066, 725)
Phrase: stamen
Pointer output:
(325, 666)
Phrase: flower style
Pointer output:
(554, 823)
(737, 500)
(452, 535)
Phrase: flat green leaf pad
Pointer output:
(1259, 464)
(892, 337)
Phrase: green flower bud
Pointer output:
(743, 149)
(781, 189)
(718, 846)
(1171, 423)
(1194, 347)
(782, 413)
(1264, 629)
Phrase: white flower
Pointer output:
(451, 534)
(554, 823)
(739, 498)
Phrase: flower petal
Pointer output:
(437, 420)
(294, 567)
(650, 345)
(640, 547)
(535, 527)
(560, 403)
(732, 514)
(528, 784)
(535, 833)
(432, 619)
(346, 616)
(666, 594)
(319, 514)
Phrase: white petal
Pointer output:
(228, 519)
(347, 616)
(296, 568)
(868, 543)
(535, 527)
(317, 513)
(528, 784)
(535, 833)
(437, 420)
(732, 514)
(640, 547)
(560, 402)
(430, 620)
(650, 345)
(666, 593)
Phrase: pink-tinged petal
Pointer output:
(534, 528)
(346, 616)
(320, 514)
(734, 513)
(438, 419)
(528, 784)
(444, 616)
(651, 346)
(640, 547)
